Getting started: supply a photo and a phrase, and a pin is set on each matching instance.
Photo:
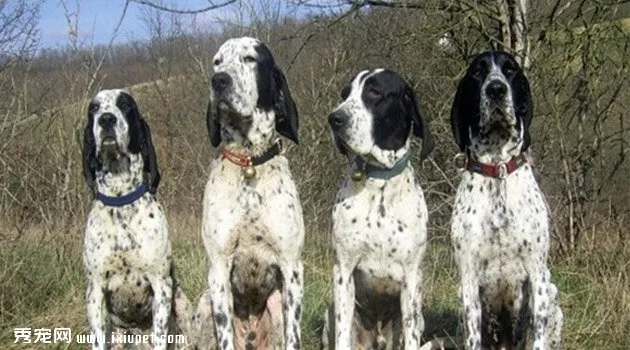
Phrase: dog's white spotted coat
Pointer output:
(500, 227)
(250, 221)
(127, 253)
(379, 232)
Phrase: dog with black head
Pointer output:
(500, 224)
(379, 217)
(252, 227)
(127, 254)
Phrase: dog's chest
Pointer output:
(500, 221)
(133, 237)
(124, 246)
(384, 226)
(252, 215)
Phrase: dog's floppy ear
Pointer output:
(214, 128)
(287, 123)
(140, 140)
(149, 157)
(523, 105)
(90, 161)
(464, 110)
(420, 128)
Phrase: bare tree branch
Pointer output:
(184, 11)
(313, 34)
(18, 28)
(407, 4)
(399, 4)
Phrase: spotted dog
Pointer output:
(252, 227)
(379, 217)
(500, 228)
(127, 254)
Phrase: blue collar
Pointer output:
(122, 200)
(376, 172)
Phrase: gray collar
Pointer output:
(365, 169)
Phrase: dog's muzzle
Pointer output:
(221, 82)
(496, 90)
(338, 121)
(221, 88)
(107, 122)
(108, 141)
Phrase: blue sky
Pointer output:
(97, 18)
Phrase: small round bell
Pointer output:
(249, 172)
(357, 175)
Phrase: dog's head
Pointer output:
(378, 113)
(249, 95)
(115, 129)
(493, 101)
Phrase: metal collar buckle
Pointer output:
(460, 161)
(278, 141)
(503, 171)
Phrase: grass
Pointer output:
(43, 286)
(42, 281)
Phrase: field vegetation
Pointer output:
(579, 71)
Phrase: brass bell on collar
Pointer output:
(357, 175)
(249, 172)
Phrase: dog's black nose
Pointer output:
(107, 120)
(337, 120)
(496, 89)
(221, 81)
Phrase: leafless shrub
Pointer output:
(577, 72)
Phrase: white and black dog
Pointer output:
(379, 217)
(500, 224)
(127, 253)
(253, 229)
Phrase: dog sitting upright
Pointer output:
(500, 223)
(379, 217)
(252, 227)
(127, 253)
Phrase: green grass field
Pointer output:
(42, 283)
(43, 287)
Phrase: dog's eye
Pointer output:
(93, 107)
(509, 69)
(479, 72)
(123, 105)
(249, 59)
(373, 93)
(217, 62)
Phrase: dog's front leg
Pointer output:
(292, 300)
(411, 306)
(471, 304)
(540, 306)
(97, 315)
(555, 319)
(162, 302)
(343, 286)
(221, 296)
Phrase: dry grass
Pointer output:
(43, 285)
(43, 198)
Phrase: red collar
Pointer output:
(247, 161)
(499, 171)
(236, 159)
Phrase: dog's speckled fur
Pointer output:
(252, 229)
(500, 227)
(127, 254)
(379, 225)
